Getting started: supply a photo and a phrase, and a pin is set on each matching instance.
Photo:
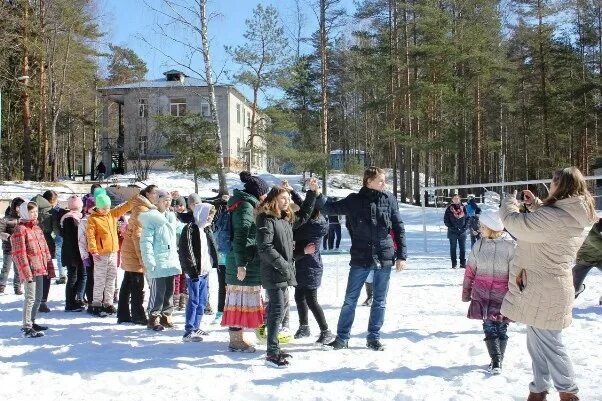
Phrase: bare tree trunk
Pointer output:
(221, 172)
(25, 93)
(43, 109)
(94, 137)
(324, 91)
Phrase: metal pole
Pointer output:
(423, 202)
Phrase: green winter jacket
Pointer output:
(590, 253)
(244, 249)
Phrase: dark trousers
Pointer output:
(160, 301)
(334, 230)
(221, 292)
(90, 282)
(456, 240)
(76, 283)
(285, 319)
(131, 286)
(46, 289)
(275, 313)
(580, 272)
(493, 329)
(307, 299)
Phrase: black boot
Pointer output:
(303, 331)
(493, 346)
(503, 343)
(369, 292)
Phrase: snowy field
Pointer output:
(433, 351)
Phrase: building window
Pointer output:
(238, 113)
(243, 117)
(143, 107)
(248, 119)
(177, 107)
(143, 144)
(205, 110)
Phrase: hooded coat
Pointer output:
(7, 226)
(131, 256)
(547, 241)
(101, 230)
(158, 243)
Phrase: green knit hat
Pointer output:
(103, 201)
(99, 191)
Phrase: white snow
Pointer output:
(433, 351)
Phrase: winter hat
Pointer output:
(194, 198)
(102, 201)
(99, 191)
(74, 203)
(201, 212)
(23, 212)
(181, 201)
(491, 219)
(161, 193)
(254, 185)
(90, 204)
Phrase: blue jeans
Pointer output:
(197, 300)
(355, 283)
(58, 240)
(493, 329)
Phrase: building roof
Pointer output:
(188, 82)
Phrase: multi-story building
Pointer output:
(134, 136)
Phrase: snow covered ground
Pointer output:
(433, 351)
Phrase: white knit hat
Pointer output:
(491, 219)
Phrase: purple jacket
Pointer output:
(486, 277)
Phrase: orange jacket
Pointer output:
(131, 257)
(101, 230)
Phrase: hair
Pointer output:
(93, 188)
(371, 173)
(15, 203)
(570, 183)
(31, 205)
(147, 190)
(270, 205)
(492, 233)
(50, 196)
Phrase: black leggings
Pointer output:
(221, 292)
(305, 299)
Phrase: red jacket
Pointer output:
(30, 252)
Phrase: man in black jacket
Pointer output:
(456, 221)
(372, 214)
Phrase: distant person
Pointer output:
(101, 170)
(456, 221)
(486, 283)
(334, 232)
(540, 290)
(474, 211)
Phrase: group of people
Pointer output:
(523, 270)
(263, 240)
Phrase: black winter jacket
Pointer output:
(309, 268)
(7, 227)
(371, 215)
(456, 220)
(275, 245)
(189, 249)
(70, 255)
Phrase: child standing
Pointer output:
(82, 243)
(486, 284)
(7, 227)
(103, 244)
(71, 257)
(32, 257)
(198, 254)
(160, 257)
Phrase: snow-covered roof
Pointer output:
(350, 151)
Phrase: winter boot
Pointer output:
(493, 347)
(183, 301)
(336, 345)
(166, 321)
(503, 343)
(109, 309)
(369, 293)
(31, 333)
(44, 308)
(375, 345)
(18, 290)
(97, 311)
(568, 396)
(303, 331)
(326, 337)
(276, 361)
(154, 324)
(176, 301)
(238, 342)
(537, 396)
(61, 280)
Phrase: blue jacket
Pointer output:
(158, 244)
(371, 215)
(309, 268)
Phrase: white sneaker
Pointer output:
(192, 337)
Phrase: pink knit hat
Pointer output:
(75, 203)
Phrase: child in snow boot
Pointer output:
(486, 283)
(101, 233)
(32, 257)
